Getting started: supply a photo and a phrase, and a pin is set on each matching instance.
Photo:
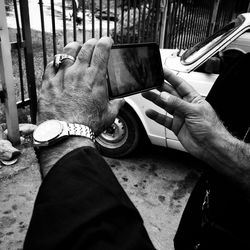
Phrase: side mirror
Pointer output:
(212, 65)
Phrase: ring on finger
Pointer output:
(59, 58)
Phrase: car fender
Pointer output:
(154, 131)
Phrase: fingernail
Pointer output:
(165, 95)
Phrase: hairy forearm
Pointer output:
(231, 157)
(48, 156)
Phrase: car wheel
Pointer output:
(122, 137)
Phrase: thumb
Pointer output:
(115, 105)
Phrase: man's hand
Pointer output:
(193, 120)
(77, 92)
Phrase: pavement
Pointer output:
(158, 181)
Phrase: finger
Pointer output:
(167, 108)
(164, 120)
(180, 85)
(100, 56)
(178, 122)
(71, 49)
(159, 100)
(166, 87)
(170, 103)
(48, 74)
(49, 71)
(85, 54)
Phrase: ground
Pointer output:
(157, 180)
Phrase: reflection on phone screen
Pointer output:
(134, 69)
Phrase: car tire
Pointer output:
(122, 137)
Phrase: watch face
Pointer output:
(48, 131)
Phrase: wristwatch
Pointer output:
(51, 131)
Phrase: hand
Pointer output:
(193, 120)
(77, 92)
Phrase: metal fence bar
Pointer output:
(175, 8)
(43, 34)
(214, 16)
(143, 21)
(199, 26)
(53, 26)
(93, 18)
(193, 31)
(149, 13)
(178, 21)
(100, 18)
(83, 21)
(183, 26)
(74, 7)
(134, 18)
(64, 23)
(206, 20)
(152, 21)
(202, 17)
(29, 59)
(128, 21)
(122, 19)
(139, 20)
(19, 53)
(190, 35)
(6, 80)
(108, 17)
(157, 22)
(115, 25)
(189, 26)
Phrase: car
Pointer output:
(198, 65)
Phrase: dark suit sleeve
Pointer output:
(81, 205)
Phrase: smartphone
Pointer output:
(134, 68)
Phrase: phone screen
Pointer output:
(134, 68)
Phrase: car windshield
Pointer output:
(197, 51)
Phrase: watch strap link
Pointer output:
(80, 130)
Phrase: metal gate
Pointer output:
(39, 29)
(22, 54)
(190, 21)
(125, 21)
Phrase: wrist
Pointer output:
(48, 156)
(222, 151)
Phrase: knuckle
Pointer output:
(175, 101)
(101, 61)
(86, 49)
(103, 44)
(72, 49)
(72, 46)
(92, 41)
(82, 54)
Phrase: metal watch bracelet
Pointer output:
(80, 130)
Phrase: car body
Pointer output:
(192, 66)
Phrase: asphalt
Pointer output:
(159, 183)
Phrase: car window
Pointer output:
(197, 51)
(229, 55)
